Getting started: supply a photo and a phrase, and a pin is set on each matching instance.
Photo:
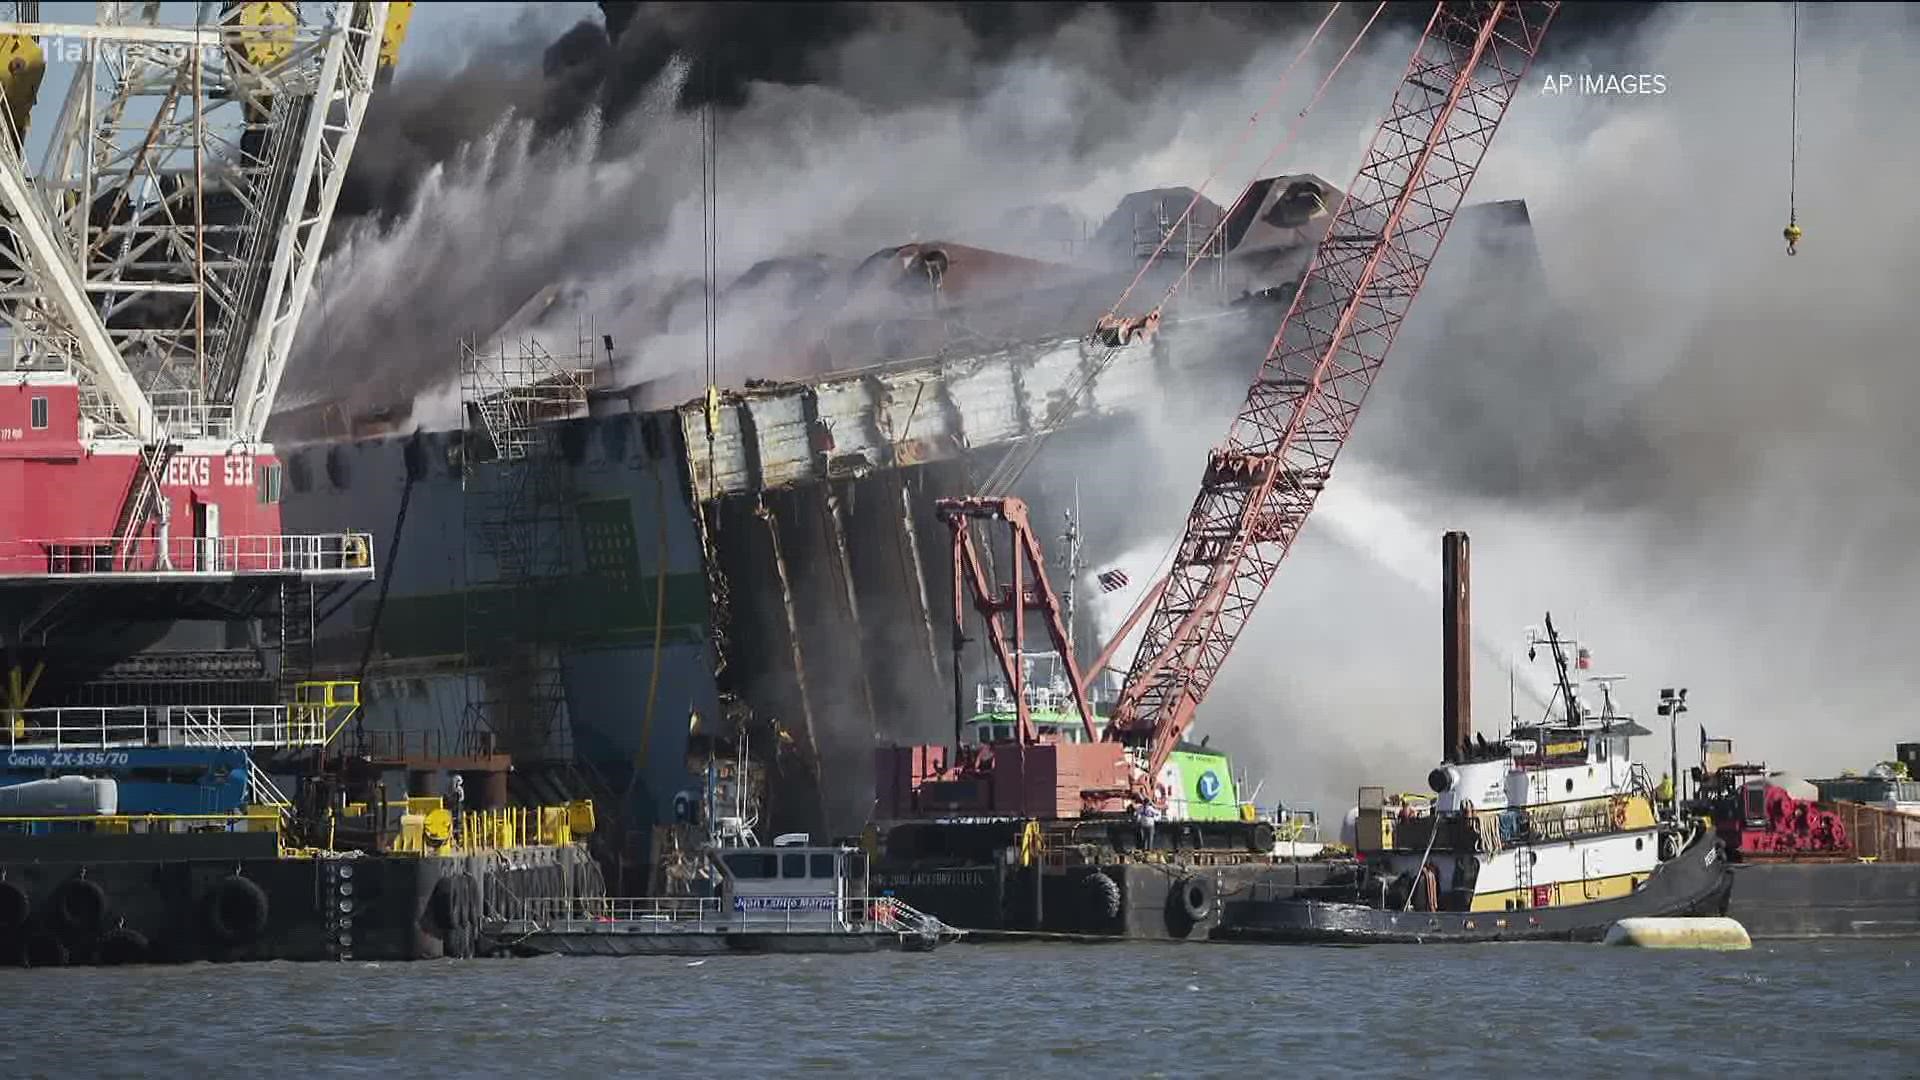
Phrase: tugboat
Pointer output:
(1552, 833)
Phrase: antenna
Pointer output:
(1070, 562)
(1605, 683)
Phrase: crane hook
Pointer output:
(1792, 233)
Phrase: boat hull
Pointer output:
(712, 944)
(1141, 901)
(1822, 900)
(102, 903)
(1697, 882)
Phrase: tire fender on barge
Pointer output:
(1102, 895)
(1194, 897)
(15, 906)
(237, 910)
(80, 905)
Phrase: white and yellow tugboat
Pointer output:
(1552, 833)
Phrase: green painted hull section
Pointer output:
(611, 603)
(1206, 782)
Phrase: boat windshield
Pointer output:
(1002, 727)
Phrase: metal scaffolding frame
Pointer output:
(1197, 239)
(516, 510)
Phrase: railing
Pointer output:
(1042, 697)
(205, 727)
(1640, 782)
(413, 745)
(698, 914)
(180, 415)
(336, 553)
(115, 727)
(141, 824)
(1879, 834)
(515, 827)
(328, 704)
(1291, 825)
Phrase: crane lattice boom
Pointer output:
(1259, 487)
(163, 251)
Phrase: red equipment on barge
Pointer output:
(1760, 820)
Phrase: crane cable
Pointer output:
(1293, 132)
(1253, 122)
(710, 298)
(710, 270)
(1015, 464)
(1792, 231)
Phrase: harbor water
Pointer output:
(1822, 1008)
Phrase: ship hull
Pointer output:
(1136, 902)
(1697, 882)
(225, 902)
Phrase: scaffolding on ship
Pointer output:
(515, 512)
(1196, 238)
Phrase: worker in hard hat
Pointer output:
(1792, 233)
(1664, 793)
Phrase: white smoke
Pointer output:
(1699, 459)
(618, 213)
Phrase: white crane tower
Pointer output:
(164, 248)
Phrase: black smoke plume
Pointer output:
(924, 51)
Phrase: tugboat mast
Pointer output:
(1070, 561)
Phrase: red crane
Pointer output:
(1259, 487)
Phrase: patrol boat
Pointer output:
(1552, 833)
(730, 894)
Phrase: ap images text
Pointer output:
(1604, 84)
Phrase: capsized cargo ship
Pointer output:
(763, 560)
(586, 570)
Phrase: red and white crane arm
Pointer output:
(1261, 484)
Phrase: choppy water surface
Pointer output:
(1839, 1008)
